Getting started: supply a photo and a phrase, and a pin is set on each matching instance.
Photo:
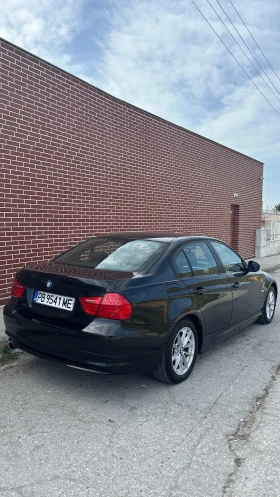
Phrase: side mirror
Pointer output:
(253, 266)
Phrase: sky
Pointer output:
(162, 56)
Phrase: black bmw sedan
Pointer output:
(136, 302)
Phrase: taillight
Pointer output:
(18, 289)
(114, 306)
(90, 304)
(111, 306)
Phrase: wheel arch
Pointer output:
(273, 284)
(199, 328)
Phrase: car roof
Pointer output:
(154, 235)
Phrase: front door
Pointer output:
(246, 287)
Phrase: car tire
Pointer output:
(179, 354)
(268, 309)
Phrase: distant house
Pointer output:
(272, 223)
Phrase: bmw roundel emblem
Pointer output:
(49, 284)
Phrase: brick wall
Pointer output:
(76, 162)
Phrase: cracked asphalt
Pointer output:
(65, 432)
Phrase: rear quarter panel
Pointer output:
(153, 305)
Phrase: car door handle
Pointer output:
(236, 284)
(199, 290)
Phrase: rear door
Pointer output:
(246, 287)
(210, 288)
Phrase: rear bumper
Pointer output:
(105, 347)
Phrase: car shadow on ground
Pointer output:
(217, 366)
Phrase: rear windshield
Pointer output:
(112, 254)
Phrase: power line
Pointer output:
(247, 46)
(244, 51)
(244, 70)
(254, 40)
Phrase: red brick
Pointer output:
(77, 162)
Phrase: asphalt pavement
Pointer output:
(65, 432)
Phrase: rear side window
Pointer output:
(113, 254)
(181, 265)
(231, 261)
(201, 259)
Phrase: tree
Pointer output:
(276, 208)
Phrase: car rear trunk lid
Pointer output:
(67, 282)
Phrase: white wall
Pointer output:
(265, 247)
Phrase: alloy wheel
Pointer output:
(183, 351)
(270, 304)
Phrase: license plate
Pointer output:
(53, 300)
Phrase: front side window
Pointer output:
(231, 261)
(201, 259)
(113, 254)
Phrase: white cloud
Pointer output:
(153, 56)
(43, 27)
(162, 56)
